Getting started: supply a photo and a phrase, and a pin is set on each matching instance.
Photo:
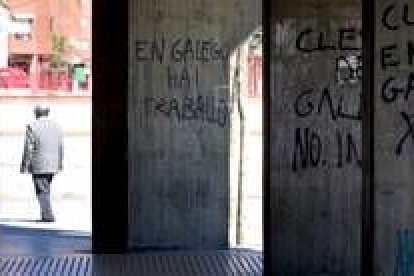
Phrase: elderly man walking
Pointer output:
(43, 157)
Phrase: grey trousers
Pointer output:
(42, 187)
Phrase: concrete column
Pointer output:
(315, 194)
(394, 139)
(178, 119)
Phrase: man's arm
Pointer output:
(27, 151)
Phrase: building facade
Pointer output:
(49, 34)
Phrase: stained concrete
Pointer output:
(179, 128)
(394, 159)
(315, 138)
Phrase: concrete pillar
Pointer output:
(178, 119)
(315, 127)
(393, 137)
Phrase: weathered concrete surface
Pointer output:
(393, 136)
(315, 192)
(179, 127)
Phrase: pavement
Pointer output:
(31, 248)
(70, 189)
(28, 247)
(71, 214)
(41, 241)
(22, 234)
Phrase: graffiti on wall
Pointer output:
(309, 145)
(183, 59)
(398, 88)
(348, 66)
(208, 109)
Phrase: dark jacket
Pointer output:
(43, 148)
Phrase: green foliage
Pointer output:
(4, 5)
(59, 46)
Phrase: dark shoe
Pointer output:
(47, 220)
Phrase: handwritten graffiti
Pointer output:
(182, 56)
(346, 39)
(309, 102)
(404, 263)
(180, 50)
(391, 20)
(209, 109)
(398, 88)
(348, 67)
(409, 132)
(308, 150)
(182, 77)
(390, 55)
(391, 92)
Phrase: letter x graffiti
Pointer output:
(410, 132)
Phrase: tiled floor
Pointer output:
(160, 263)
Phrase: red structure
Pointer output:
(13, 77)
(254, 72)
(48, 32)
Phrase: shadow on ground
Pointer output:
(29, 239)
